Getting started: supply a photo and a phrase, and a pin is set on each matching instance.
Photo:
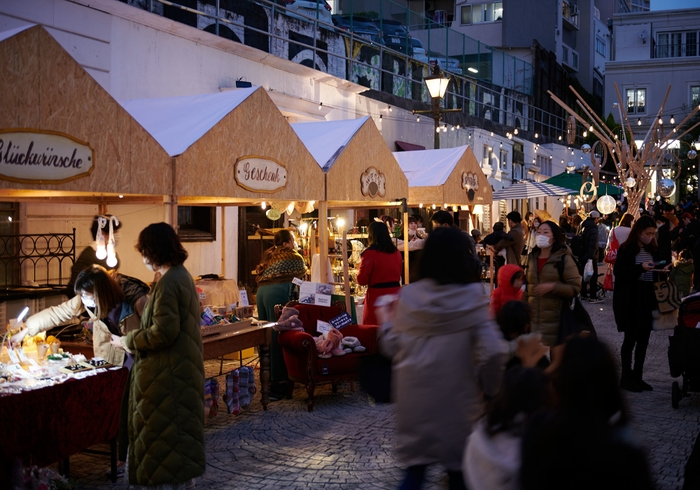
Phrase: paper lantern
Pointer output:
(606, 204)
(666, 188)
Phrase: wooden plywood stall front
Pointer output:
(466, 185)
(48, 103)
(365, 173)
(251, 155)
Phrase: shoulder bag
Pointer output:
(611, 255)
(574, 319)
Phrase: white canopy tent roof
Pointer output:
(326, 140)
(425, 168)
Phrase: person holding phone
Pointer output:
(634, 299)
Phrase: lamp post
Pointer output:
(437, 86)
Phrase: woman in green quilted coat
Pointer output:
(166, 402)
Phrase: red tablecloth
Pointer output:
(48, 425)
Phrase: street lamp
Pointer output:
(437, 86)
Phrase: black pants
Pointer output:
(592, 285)
(639, 337)
(413, 479)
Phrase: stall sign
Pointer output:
(260, 174)
(470, 183)
(37, 156)
(373, 183)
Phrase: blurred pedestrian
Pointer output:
(588, 232)
(510, 283)
(515, 242)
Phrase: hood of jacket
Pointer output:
(433, 308)
(686, 266)
(505, 274)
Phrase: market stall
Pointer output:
(359, 169)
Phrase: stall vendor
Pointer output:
(114, 305)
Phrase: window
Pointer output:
(636, 100)
(545, 165)
(504, 160)
(694, 97)
(484, 12)
(487, 154)
(677, 44)
(574, 60)
(600, 46)
(197, 223)
(565, 55)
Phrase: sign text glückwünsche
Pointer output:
(43, 157)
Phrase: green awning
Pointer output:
(573, 182)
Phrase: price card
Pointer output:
(244, 297)
(13, 356)
(22, 355)
(33, 366)
(15, 369)
(323, 299)
(297, 281)
(341, 320)
(323, 327)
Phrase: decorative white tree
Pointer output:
(635, 166)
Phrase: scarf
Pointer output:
(281, 265)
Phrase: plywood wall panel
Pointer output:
(366, 149)
(254, 128)
(65, 98)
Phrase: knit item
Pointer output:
(207, 398)
(231, 396)
(243, 393)
(251, 382)
(214, 410)
(281, 265)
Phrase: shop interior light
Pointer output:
(101, 252)
(111, 243)
(420, 205)
(263, 205)
(340, 223)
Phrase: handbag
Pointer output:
(664, 321)
(611, 255)
(588, 270)
(609, 282)
(574, 320)
(667, 295)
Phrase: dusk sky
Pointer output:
(674, 4)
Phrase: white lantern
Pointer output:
(606, 204)
(630, 182)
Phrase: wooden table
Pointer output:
(218, 345)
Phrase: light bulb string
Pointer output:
(99, 235)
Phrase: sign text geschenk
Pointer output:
(260, 174)
(36, 156)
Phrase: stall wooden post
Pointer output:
(223, 241)
(323, 238)
(405, 247)
(346, 276)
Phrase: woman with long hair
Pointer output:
(441, 325)
(634, 299)
(552, 280)
(380, 269)
(281, 263)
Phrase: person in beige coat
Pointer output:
(114, 305)
(447, 353)
(546, 289)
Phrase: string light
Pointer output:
(673, 120)
(639, 121)
(320, 106)
(515, 131)
(537, 135)
(661, 121)
(391, 108)
(263, 205)
(417, 118)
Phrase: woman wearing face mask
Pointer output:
(547, 290)
(634, 299)
(114, 304)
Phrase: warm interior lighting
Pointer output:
(473, 70)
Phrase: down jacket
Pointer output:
(166, 397)
(135, 292)
(447, 353)
(546, 309)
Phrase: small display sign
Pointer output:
(342, 320)
(323, 327)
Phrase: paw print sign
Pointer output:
(470, 183)
(373, 183)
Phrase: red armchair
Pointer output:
(300, 356)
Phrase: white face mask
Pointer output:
(148, 265)
(542, 241)
(88, 302)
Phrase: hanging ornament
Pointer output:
(273, 214)
(588, 192)
(692, 154)
(606, 204)
(586, 149)
(570, 167)
(111, 243)
(101, 252)
(666, 187)
(630, 182)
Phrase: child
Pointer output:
(514, 321)
(682, 272)
(510, 283)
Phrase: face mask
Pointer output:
(646, 240)
(88, 302)
(148, 265)
(542, 241)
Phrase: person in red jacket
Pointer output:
(510, 283)
(380, 269)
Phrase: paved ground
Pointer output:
(347, 443)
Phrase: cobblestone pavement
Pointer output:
(347, 443)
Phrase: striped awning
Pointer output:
(528, 189)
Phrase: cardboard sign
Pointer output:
(341, 320)
(22, 355)
(315, 293)
(323, 327)
(13, 356)
(244, 297)
(297, 281)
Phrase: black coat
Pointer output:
(663, 238)
(633, 300)
(589, 232)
